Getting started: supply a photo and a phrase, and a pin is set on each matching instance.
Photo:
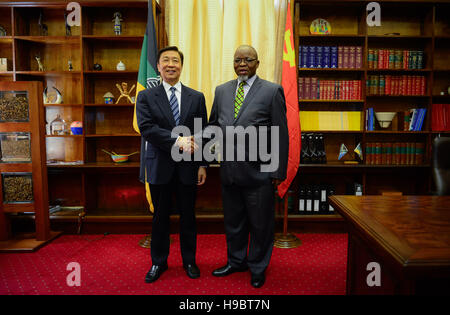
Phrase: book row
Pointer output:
(332, 57)
(396, 153)
(312, 88)
(396, 85)
(440, 117)
(395, 59)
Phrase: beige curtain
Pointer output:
(209, 31)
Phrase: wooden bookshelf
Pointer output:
(79, 173)
(406, 25)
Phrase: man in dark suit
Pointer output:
(248, 190)
(159, 110)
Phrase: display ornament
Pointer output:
(117, 23)
(320, 27)
(342, 151)
(109, 98)
(124, 93)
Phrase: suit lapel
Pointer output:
(248, 98)
(163, 103)
(186, 102)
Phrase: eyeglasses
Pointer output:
(238, 61)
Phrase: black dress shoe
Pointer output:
(258, 280)
(192, 271)
(154, 273)
(228, 270)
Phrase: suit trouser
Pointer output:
(162, 202)
(249, 211)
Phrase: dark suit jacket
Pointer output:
(155, 121)
(264, 105)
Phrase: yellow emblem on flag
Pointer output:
(289, 56)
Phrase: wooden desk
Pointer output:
(409, 236)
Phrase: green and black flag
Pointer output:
(147, 78)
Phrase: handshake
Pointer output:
(187, 144)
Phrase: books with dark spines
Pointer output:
(420, 59)
(396, 154)
(358, 57)
(420, 151)
(402, 153)
(313, 89)
(312, 57)
(383, 154)
(340, 56)
(352, 57)
(398, 59)
(307, 94)
(334, 57)
(368, 153)
(405, 60)
(391, 59)
(388, 153)
(413, 59)
(406, 120)
(305, 54)
(301, 88)
(370, 59)
(300, 56)
(319, 55)
(326, 59)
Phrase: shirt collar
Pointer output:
(249, 81)
(167, 86)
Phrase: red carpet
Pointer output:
(116, 264)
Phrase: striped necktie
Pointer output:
(239, 99)
(174, 105)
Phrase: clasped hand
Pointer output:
(187, 144)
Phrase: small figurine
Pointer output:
(68, 29)
(124, 92)
(70, 65)
(40, 66)
(117, 23)
(97, 67)
(109, 98)
(43, 29)
(120, 66)
(2, 31)
(58, 100)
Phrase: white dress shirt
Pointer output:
(177, 87)
(248, 84)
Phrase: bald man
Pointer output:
(248, 190)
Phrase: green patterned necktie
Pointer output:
(239, 99)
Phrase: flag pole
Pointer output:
(289, 83)
(285, 239)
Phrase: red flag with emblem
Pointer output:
(289, 83)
